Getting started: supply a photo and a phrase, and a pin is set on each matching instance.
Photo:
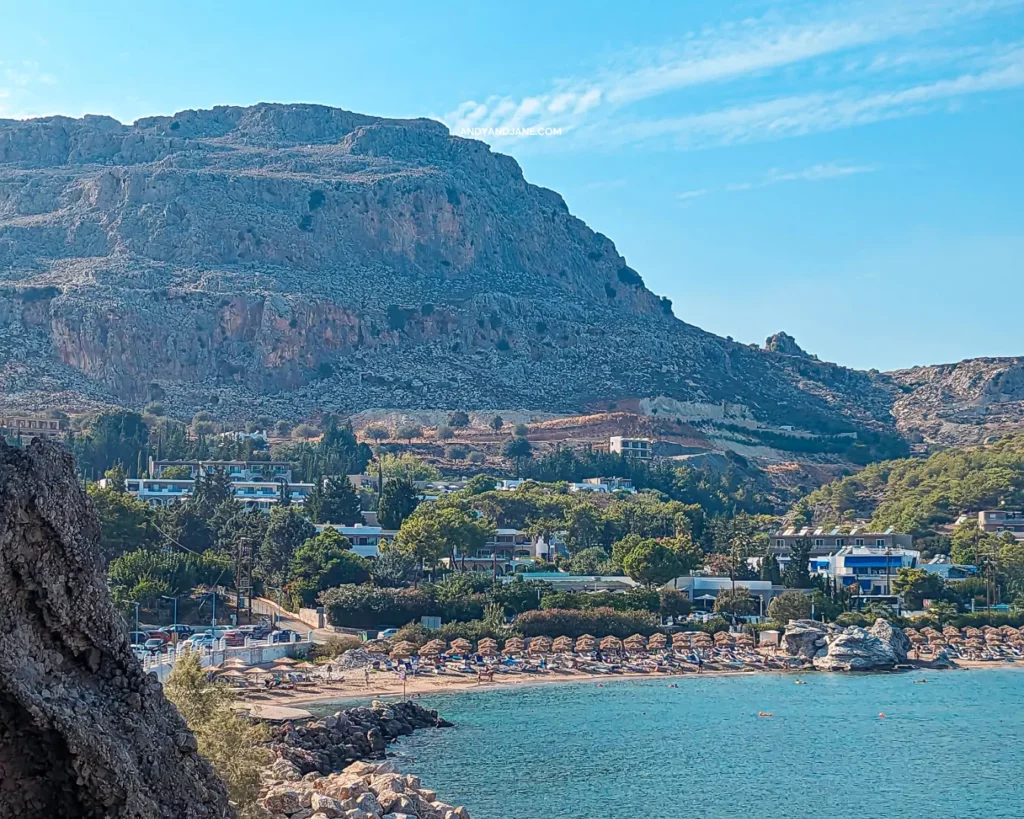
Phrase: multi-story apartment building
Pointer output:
(30, 427)
(253, 471)
(641, 448)
(827, 541)
(998, 521)
(260, 495)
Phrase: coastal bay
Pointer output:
(944, 748)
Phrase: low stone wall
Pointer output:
(314, 618)
(251, 655)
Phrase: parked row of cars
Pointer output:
(156, 641)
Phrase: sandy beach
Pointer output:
(385, 685)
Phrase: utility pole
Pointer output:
(243, 578)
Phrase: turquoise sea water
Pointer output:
(953, 747)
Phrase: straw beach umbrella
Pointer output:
(540, 645)
(657, 642)
(461, 646)
(682, 640)
(514, 645)
(403, 649)
(377, 646)
(488, 647)
(235, 662)
(563, 645)
(611, 644)
(586, 644)
(285, 661)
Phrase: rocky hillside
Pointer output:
(966, 403)
(285, 259)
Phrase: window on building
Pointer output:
(859, 542)
(840, 541)
(819, 541)
(780, 543)
(880, 542)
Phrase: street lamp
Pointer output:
(132, 602)
(175, 600)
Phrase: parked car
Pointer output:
(137, 638)
(387, 633)
(199, 641)
(181, 630)
(282, 636)
(234, 638)
(154, 645)
(159, 634)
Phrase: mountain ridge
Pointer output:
(290, 259)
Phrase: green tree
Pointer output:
(798, 570)
(652, 563)
(176, 472)
(376, 433)
(339, 502)
(126, 523)
(443, 433)
(392, 568)
(738, 602)
(323, 562)
(790, 605)
(943, 612)
(420, 539)
(407, 467)
(583, 527)
(287, 530)
(674, 603)
(211, 490)
(917, 585)
(517, 450)
(398, 500)
(770, 570)
(409, 431)
(458, 419)
(232, 744)
(588, 561)
(497, 422)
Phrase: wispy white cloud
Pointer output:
(820, 172)
(597, 109)
(687, 195)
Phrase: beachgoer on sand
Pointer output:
(366, 676)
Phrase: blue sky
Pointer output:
(852, 173)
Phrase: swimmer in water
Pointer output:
(800, 682)
(881, 715)
(764, 713)
(920, 681)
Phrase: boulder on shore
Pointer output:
(804, 638)
(879, 648)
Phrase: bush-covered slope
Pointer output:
(915, 495)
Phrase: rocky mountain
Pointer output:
(286, 259)
(969, 402)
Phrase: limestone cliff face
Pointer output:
(964, 403)
(292, 258)
(84, 732)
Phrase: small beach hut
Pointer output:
(657, 642)
(563, 645)
(540, 645)
(586, 644)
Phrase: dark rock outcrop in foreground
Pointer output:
(83, 731)
(329, 744)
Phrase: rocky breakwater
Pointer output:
(363, 790)
(329, 744)
(831, 648)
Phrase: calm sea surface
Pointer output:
(953, 747)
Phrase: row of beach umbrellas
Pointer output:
(587, 643)
(970, 637)
(236, 668)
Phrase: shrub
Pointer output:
(458, 419)
(476, 457)
(790, 605)
(520, 430)
(334, 646)
(600, 622)
(283, 427)
(456, 452)
(306, 431)
(155, 408)
(370, 606)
